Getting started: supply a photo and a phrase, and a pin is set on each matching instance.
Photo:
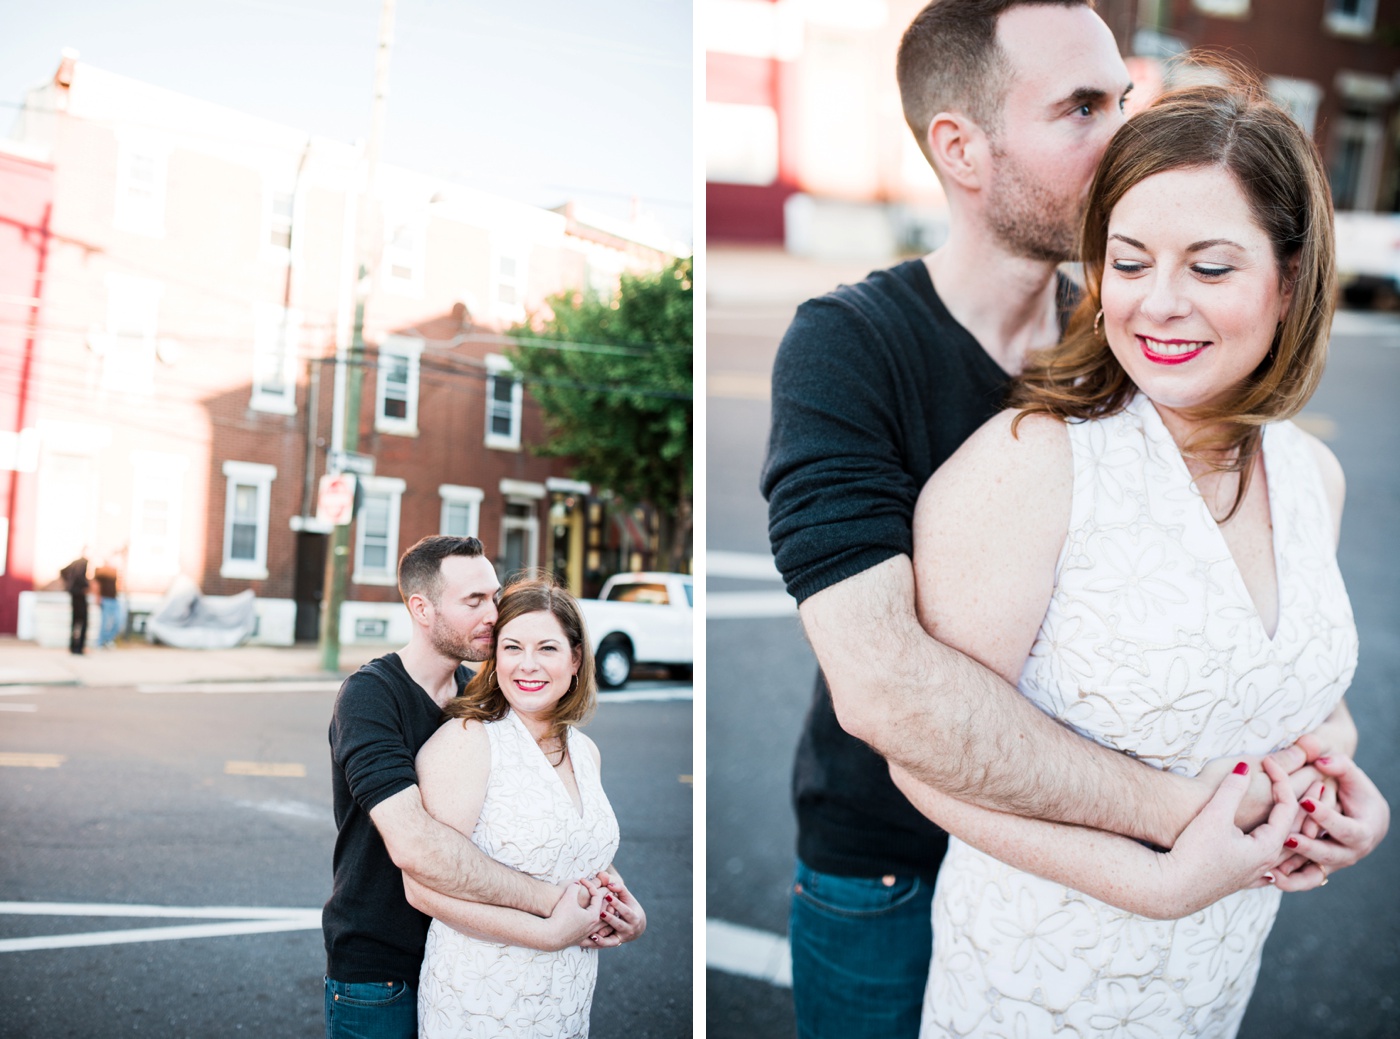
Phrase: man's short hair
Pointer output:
(949, 61)
(420, 568)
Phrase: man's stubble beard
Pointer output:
(455, 646)
(1029, 219)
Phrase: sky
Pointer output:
(539, 100)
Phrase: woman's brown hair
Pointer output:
(483, 700)
(1235, 129)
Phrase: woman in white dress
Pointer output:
(510, 769)
(1147, 547)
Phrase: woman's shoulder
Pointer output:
(454, 736)
(581, 739)
(1334, 481)
(1014, 449)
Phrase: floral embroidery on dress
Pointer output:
(1151, 645)
(470, 987)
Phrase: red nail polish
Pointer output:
(602, 916)
(1242, 769)
(1308, 806)
(1324, 761)
(1290, 843)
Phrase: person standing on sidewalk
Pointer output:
(75, 582)
(110, 625)
(1013, 102)
(383, 715)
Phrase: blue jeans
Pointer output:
(860, 955)
(371, 1010)
(111, 622)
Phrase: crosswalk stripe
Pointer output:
(748, 952)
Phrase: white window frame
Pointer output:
(399, 258)
(741, 143)
(411, 349)
(529, 524)
(140, 207)
(469, 498)
(1363, 23)
(276, 344)
(512, 282)
(275, 223)
(497, 365)
(391, 488)
(260, 476)
(157, 476)
(133, 323)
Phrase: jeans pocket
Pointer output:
(854, 896)
(369, 993)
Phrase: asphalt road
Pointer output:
(1332, 964)
(143, 811)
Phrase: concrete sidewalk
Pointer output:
(139, 663)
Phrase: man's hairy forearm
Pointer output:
(440, 858)
(962, 729)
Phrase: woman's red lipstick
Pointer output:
(1157, 358)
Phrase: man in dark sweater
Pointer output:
(383, 715)
(874, 386)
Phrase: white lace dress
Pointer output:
(1151, 645)
(487, 990)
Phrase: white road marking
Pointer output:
(644, 695)
(245, 920)
(19, 760)
(315, 685)
(749, 605)
(27, 690)
(295, 809)
(753, 566)
(748, 952)
(26, 708)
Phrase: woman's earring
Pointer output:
(1097, 318)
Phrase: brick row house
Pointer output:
(189, 366)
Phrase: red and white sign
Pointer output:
(336, 502)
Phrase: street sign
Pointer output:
(350, 462)
(335, 504)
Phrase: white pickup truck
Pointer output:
(641, 618)
(1368, 257)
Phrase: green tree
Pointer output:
(614, 380)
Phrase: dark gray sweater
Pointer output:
(874, 387)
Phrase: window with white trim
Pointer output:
(157, 491)
(461, 510)
(377, 531)
(141, 176)
(1350, 17)
(276, 338)
(520, 536)
(396, 392)
(505, 404)
(404, 242)
(1224, 8)
(247, 505)
(129, 347)
(279, 220)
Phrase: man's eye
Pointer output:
(1085, 110)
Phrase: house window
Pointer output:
(377, 531)
(277, 333)
(742, 143)
(520, 536)
(248, 503)
(1350, 17)
(129, 347)
(1224, 8)
(158, 480)
(140, 198)
(461, 510)
(505, 399)
(279, 231)
(396, 407)
(403, 254)
(509, 272)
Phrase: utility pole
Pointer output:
(338, 553)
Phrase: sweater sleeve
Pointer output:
(370, 741)
(839, 498)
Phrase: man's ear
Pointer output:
(419, 608)
(959, 150)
